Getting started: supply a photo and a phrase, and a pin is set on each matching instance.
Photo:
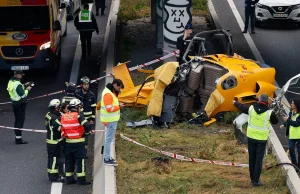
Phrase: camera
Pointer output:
(31, 84)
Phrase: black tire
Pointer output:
(66, 31)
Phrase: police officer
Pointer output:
(74, 128)
(259, 122)
(183, 41)
(100, 4)
(54, 139)
(70, 90)
(250, 14)
(86, 23)
(18, 95)
(88, 99)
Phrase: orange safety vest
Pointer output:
(71, 127)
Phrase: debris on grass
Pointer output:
(141, 170)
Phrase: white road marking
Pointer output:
(56, 188)
(252, 45)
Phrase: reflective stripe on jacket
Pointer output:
(294, 131)
(53, 127)
(72, 130)
(106, 116)
(258, 124)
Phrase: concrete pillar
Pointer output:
(176, 14)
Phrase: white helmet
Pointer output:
(75, 102)
(54, 103)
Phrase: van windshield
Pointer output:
(24, 18)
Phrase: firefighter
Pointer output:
(88, 99)
(70, 90)
(74, 128)
(18, 95)
(53, 140)
(259, 122)
(86, 23)
(110, 115)
(183, 41)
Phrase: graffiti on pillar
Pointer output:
(177, 13)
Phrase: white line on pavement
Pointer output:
(252, 45)
(56, 188)
(77, 57)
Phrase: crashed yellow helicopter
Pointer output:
(209, 82)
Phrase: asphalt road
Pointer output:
(24, 167)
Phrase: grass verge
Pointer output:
(137, 173)
(134, 9)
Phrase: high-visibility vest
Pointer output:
(12, 90)
(71, 128)
(85, 16)
(294, 131)
(258, 124)
(109, 116)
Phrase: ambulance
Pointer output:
(31, 34)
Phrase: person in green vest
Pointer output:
(18, 95)
(86, 24)
(110, 115)
(292, 124)
(259, 122)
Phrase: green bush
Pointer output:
(199, 5)
(134, 9)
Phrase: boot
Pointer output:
(82, 181)
(70, 180)
(20, 141)
(58, 180)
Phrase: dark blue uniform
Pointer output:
(250, 14)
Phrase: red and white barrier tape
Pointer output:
(183, 158)
(154, 61)
(107, 75)
(62, 91)
(37, 130)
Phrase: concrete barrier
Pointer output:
(104, 176)
(292, 178)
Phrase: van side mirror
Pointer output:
(62, 6)
(56, 26)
